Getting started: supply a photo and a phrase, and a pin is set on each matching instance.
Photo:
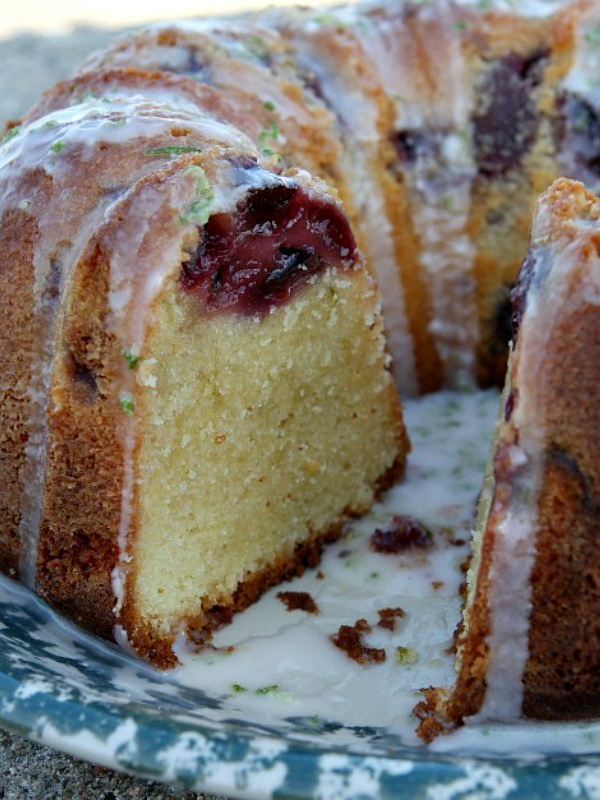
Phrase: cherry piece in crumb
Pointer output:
(254, 259)
(403, 533)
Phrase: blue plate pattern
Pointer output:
(75, 693)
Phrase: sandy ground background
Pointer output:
(61, 16)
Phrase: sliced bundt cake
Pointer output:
(196, 392)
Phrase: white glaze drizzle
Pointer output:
(524, 8)
(440, 181)
(447, 255)
(46, 317)
(378, 233)
(441, 178)
(229, 52)
(509, 596)
(32, 149)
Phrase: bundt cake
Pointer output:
(530, 633)
(196, 389)
(438, 122)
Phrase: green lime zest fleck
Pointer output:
(258, 48)
(362, 25)
(127, 404)
(462, 25)
(200, 208)
(237, 688)
(583, 120)
(270, 105)
(275, 692)
(406, 655)
(270, 134)
(593, 36)
(132, 359)
(172, 150)
(328, 19)
(58, 146)
(11, 134)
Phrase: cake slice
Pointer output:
(530, 634)
(195, 391)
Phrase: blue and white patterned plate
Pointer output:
(73, 692)
(91, 700)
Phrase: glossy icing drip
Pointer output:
(438, 167)
(527, 8)
(447, 256)
(378, 233)
(509, 596)
(59, 247)
(513, 557)
(439, 177)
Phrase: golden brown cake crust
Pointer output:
(562, 677)
(18, 237)
(78, 546)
